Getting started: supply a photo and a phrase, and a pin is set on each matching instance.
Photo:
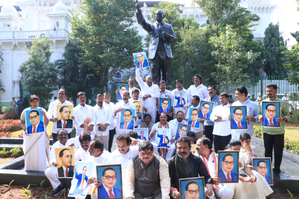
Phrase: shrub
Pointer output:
(9, 126)
(4, 153)
(16, 152)
(7, 109)
(11, 115)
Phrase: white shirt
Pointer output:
(111, 108)
(80, 114)
(252, 111)
(81, 155)
(155, 127)
(152, 90)
(101, 160)
(194, 129)
(52, 113)
(211, 164)
(174, 126)
(132, 89)
(221, 128)
(122, 104)
(102, 116)
(201, 91)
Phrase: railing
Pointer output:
(33, 34)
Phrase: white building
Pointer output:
(20, 23)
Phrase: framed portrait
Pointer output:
(238, 120)
(142, 133)
(121, 88)
(193, 119)
(79, 186)
(191, 188)
(138, 104)
(163, 137)
(205, 110)
(193, 148)
(126, 119)
(34, 121)
(270, 111)
(263, 167)
(180, 99)
(64, 116)
(228, 167)
(140, 60)
(65, 158)
(182, 130)
(165, 105)
(110, 177)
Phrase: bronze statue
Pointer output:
(159, 53)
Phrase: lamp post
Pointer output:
(261, 76)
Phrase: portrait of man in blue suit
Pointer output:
(107, 189)
(164, 140)
(262, 168)
(121, 90)
(128, 123)
(36, 126)
(141, 61)
(81, 177)
(182, 132)
(164, 107)
(269, 117)
(180, 100)
(65, 118)
(204, 112)
(237, 121)
(141, 136)
(194, 122)
(225, 173)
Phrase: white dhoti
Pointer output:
(170, 151)
(52, 175)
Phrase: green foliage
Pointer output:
(274, 46)
(16, 152)
(26, 192)
(7, 109)
(291, 62)
(106, 39)
(171, 12)
(4, 153)
(46, 196)
(39, 75)
(1, 63)
(292, 145)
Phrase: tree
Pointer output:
(291, 62)
(39, 75)
(274, 46)
(105, 37)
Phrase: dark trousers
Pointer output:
(111, 136)
(159, 65)
(220, 142)
(209, 133)
(276, 141)
(54, 136)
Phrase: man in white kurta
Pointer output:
(179, 87)
(197, 129)
(111, 108)
(198, 89)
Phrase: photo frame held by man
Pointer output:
(65, 158)
(193, 120)
(180, 99)
(238, 120)
(138, 104)
(34, 121)
(163, 137)
(121, 88)
(142, 133)
(205, 110)
(165, 105)
(270, 111)
(126, 119)
(64, 116)
(141, 60)
(228, 167)
(263, 166)
(110, 177)
(182, 130)
(192, 188)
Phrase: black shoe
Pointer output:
(276, 176)
(58, 190)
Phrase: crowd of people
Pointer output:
(148, 171)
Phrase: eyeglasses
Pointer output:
(228, 163)
(271, 111)
(33, 117)
(262, 168)
(206, 108)
(127, 115)
(191, 192)
(139, 56)
(110, 177)
(238, 114)
(194, 114)
(148, 153)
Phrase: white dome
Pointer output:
(9, 10)
(59, 8)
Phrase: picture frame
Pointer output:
(142, 133)
(238, 120)
(205, 108)
(138, 104)
(141, 60)
(182, 130)
(263, 166)
(121, 88)
(64, 116)
(79, 186)
(194, 187)
(270, 112)
(165, 105)
(34, 121)
(180, 99)
(65, 158)
(193, 148)
(193, 119)
(163, 137)
(126, 119)
(114, 173)
(225, 161)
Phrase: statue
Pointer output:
(159, 53)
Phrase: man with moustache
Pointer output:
(111, 108)
(65, 118)
(136, 96)
(185, 165)
(196, 126)
(168, 95)
(147, 175)
(198, 88)
(132, 88)
(102, 121)
(146, 122)
(179, 87)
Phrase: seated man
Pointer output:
(146, 122)
(147, 175)
(135, 141)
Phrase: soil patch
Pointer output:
(4, 160)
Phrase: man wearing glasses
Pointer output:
(204, 112)
(107, 189)
(192, 190)
(263, 169)
(226, 174)
(196, 126)
(36, 126)
(141, 61)
(237, 120)
(269, 117)
(128, 123)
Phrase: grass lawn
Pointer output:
(50, 126)
(292, 132)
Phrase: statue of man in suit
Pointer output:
(159, 53)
